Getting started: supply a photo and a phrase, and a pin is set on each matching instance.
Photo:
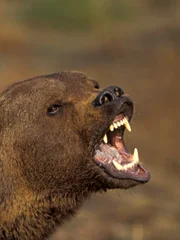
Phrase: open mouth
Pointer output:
(112, 155)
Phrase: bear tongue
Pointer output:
(116, 146)
(119, 145)
(115, 139)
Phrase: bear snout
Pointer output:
(107, 95)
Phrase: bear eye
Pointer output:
(53, 109)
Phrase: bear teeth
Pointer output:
(117, 124)
(120, 123)
(105, 139)
(134, 158)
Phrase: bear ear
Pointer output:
(94, 83)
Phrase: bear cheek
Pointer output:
(90, 122)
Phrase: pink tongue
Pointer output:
(119, 144)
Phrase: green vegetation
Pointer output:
(118, 10)
(59, 14)
(73, 15)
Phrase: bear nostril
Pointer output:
(118, 92)
(109, 94)
(96, 86)
(106, 98)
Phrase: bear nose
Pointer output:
(108, 94)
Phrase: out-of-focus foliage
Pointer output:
(74, 15)
(162, 4)
(119, 10)
(59, 14)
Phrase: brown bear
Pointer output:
(61, 139)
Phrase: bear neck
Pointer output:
(34, 212)
(38, 218)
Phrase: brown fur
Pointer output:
(46, 166)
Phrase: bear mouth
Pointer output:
(112, 155)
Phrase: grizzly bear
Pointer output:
(61, 139)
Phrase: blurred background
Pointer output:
(133, 44)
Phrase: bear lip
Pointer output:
(112, 155)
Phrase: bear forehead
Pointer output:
(53, 85)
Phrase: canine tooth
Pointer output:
(115, 125)
(127, 125)
(135, 156)
(130, 165)
(117, 165)
(105, 138)
(111, 128)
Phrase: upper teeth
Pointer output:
(112, 127)
(135, 160)
(119, 123)
(116, 125)
(105, 138)
(127, 125)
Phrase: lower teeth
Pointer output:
(135, 160)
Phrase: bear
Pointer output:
(61, 140)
